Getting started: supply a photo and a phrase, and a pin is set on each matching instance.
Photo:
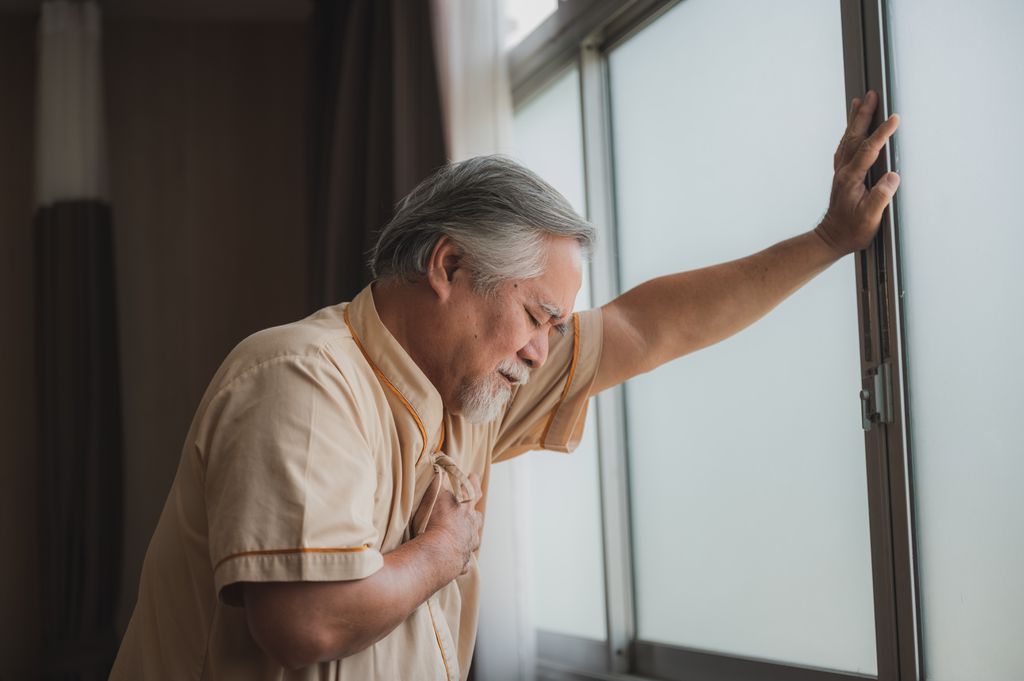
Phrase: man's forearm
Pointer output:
(671, 316)
(302, 623)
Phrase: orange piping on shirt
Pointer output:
(568, 380)
(423, 433)
(389, 384)
(282, 552)
(444, 658)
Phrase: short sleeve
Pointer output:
(289, 477)
(549, 412)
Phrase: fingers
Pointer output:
(840, 156)
(855, 210)
(880, 196)
(472, 491)
(861, 119)
(867, 152)
(861, 113)
(421, 519)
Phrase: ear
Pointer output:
(445, 262)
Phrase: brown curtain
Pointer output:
(375, 130)
(79, 456)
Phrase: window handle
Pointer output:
(876, 397)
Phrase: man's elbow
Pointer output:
(289, 646)
(291, 634)
(303, 645)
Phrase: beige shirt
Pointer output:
(306, 460)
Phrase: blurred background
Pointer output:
(203, 110)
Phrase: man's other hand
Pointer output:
(457, 526)
(301, 623)
(855, 211)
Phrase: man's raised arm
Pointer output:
(671, 316)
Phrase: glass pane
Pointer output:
(747, 470)
(565, 510)
(522, 16)
(959, 85)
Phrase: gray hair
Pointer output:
(494, 209)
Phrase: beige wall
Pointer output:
(18, 585)
(206, 138)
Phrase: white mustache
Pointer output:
(515, 370)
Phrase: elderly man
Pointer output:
(326, 513)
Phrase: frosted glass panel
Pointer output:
(959, 84)
(565, 511)
(747, 469)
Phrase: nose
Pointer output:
(535, 353)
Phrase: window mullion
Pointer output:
(882, 369)
(610, 404)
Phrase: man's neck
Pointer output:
(404, 310)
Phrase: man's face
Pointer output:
(497, 339)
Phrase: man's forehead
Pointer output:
(556, 297)
(558, 285)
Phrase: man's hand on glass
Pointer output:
(854, 210)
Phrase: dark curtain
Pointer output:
(376, 130)
(79, 457)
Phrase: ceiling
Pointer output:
(208, 10)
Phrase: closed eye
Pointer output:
(533, 320)
(555, 314)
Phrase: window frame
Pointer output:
(866, 56)
(583, 33)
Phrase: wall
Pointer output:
(206, 129)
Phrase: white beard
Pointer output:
(485, 399)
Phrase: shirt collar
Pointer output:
(394, 365)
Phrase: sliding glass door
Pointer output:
(750, 522)
(958, 81)
(833, 494)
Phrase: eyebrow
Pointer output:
(555, 312)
